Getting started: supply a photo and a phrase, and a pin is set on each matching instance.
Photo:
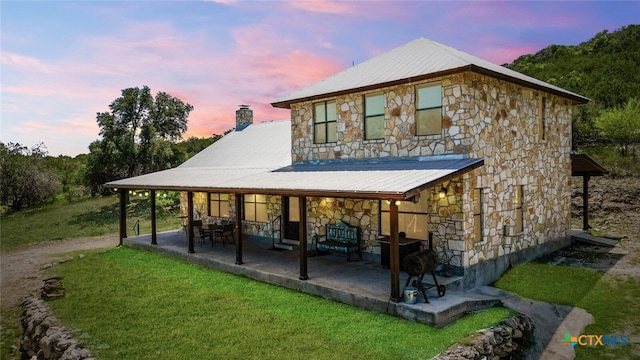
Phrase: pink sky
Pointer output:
(62, 62)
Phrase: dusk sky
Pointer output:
(64, 61)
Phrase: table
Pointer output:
(407, 246)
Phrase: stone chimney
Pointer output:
(244, 117)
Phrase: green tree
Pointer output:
(621, 124)
(25, 180)
(138, 136)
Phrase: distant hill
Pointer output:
(605, 69)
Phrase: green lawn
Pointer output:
(132, 304)
(91, 217)
(613, 301)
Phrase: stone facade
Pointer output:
(523, 135)
(483, 117)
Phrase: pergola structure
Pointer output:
(585, 166)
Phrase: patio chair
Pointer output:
(215, 232)
(198, 232)
(227, 232)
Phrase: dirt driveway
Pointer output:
(21, 270)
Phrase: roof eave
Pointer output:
(575, 98)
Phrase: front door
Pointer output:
(291, 216)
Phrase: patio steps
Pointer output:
(287, 244)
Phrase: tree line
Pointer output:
(606, 70)
(140, 134)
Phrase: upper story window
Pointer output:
(429, 110)
(541, 123)
(374, 117)
(219, 205)
(325, 119)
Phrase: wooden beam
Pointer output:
(238, 229)
(154, 236)
(302, 228)
(190, 222)
(394, 251)
(123, 215)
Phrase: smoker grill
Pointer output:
(417, 265)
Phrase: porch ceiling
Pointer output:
(382, 180)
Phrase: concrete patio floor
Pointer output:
(364, 284)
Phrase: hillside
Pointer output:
(606, 68)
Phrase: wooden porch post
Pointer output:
(153, 218)
(394, 251)
(123, 215)
(585, 202)
(190, 222)
(238, 230)
(303, 237)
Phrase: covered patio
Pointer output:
(364, 284)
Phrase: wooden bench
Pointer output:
(342, 238)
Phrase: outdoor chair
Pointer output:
(215, 232)
(198, 232)
(227, 232)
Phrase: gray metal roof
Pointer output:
(264, 145)
(417, 60)
(218, 169)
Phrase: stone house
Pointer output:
(423, 140)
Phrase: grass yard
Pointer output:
(132, 304)
(613, 301)
(90, 217)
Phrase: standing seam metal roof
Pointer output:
(413, 61)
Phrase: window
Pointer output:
(518, 204)
(255, 207)
(412, 218)
(325, 118)
(219, 205)
(429, 110)
(374, 117)
(477, 215)
(541, 125)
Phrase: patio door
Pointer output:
(291, 217)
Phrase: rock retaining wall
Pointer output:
(506, 340)
(44, 337)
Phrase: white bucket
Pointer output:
(410, 294)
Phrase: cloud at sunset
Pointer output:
(217, 55)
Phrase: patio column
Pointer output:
(153, 218)
(585, 202)
(302, 228)
(394, 251)
(190, 222)
(238, 229)
(123, 215)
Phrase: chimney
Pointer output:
(244, 117)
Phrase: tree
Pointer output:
(25, 180)
(138, 136)
(621, 124)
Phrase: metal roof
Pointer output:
(417, 60)
(263, 145)
(584, 165)
(397, 179)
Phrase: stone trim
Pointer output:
(506, 340)
(44, 337)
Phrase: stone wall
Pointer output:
(44, 337)
(483, 117)
(504, 341)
